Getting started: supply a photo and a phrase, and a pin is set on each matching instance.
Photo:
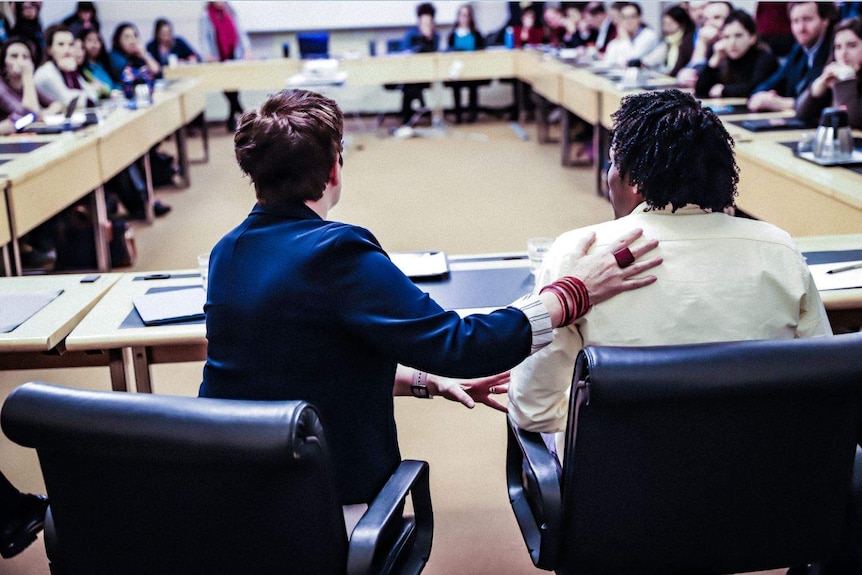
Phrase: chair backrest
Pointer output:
(713, 458)
(143, 483)
(313, 45)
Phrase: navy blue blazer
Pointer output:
(791, 79)
(303, 308)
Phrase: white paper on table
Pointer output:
(421, 264)
(16, 308)
(841, 280)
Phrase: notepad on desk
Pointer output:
(165, 307)
(839, 275)
(16, 308)
(422, 265)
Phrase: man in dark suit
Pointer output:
(811, 24)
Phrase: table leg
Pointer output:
(117, 365)
(7, 263)
(565, 138)
(141, 361)
(100, 231)
(151, 196)
(183, 156)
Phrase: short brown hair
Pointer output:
(289, 144)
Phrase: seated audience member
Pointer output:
(811, 23)
(634, 38)
(602, 28)
(97, 68)
(58, 77)
(529, 32)
(674, 52)
(28, 26)
(83, 18)
(128, 51)
(738, 62)
(466, 38)
(22, 517)
(773, 27)
(554, 25)
(19, 97)
(165, 43)
(422, 38)
(725, 278)
(576, 29)
(706, 35)
(838, 85)
(18, 93)
(695, 12)
(340, 310)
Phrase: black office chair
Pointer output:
(143, 484)
(714, 458)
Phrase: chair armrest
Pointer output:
(369, 535)
(533, 478)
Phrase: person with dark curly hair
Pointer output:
(724, 278)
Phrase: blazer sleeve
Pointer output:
(383, 308)
(777, 80)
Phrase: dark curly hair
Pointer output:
(289, 144)
(674, 151)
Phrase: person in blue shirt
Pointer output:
(811, 25)
(97, 68)
(164, 45)
(466, 38)
(127, 51)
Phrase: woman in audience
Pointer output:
(738, 62)
(58, 78)
(18, 93)
(223, 39)
(97, 67)
(83, 18)
(675, 51)
(19, 97)
(838, 85)
(27, 25)
(530, 32)
(466, 38)
(128, 51)
(164, 45)
(634, 38)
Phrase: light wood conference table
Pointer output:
(39, 342)
(39, 183)
(477, 283)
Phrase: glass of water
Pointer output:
(536, 249)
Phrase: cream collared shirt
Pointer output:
(723, 278)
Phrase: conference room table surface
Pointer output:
(476, 283)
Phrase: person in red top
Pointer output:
(773, 27)
(529, 32)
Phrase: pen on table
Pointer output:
(845, 269)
